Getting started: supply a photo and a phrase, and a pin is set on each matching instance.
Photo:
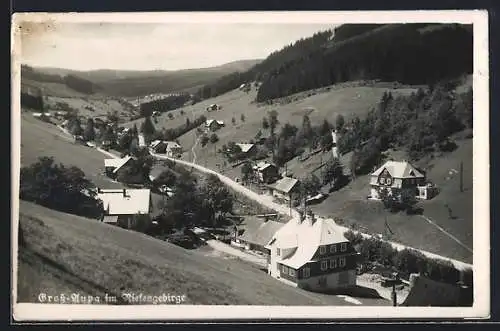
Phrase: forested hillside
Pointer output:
(405, 53)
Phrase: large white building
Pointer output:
(312, 254)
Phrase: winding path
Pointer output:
(268, 201)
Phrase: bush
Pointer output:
(204, 140)
(59, 187)
(407, 261)
(214, 138)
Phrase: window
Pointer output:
(324, 265)
(285, 269)
(333, 263)
(322, 249)
(343, 247)
(342, 262)
(278, 251)
(291, 272)
(306, 272)
(333, 249)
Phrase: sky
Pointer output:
(153, 46)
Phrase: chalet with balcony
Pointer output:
(396, 176)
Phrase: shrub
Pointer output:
(214, 138)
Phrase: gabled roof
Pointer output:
(399, 169)
(116, 163)
(245, 147)
(262, 165)
(285, 184)
(172, 144)
(125, 201)
(258, 231)
(306, 237)
(155, 143)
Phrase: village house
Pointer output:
(248, 150)
(256, 234)
(396, 176)
(173, 149)
(213, 125)
(285, 188)
(312, 254)
(158, 146)
(266, 172)
(213, 107)
(113, 166)
(122, 206)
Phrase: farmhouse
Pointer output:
(247, 149)
(257, 234)
(158, 146)
(113, 166)
(213, 125)
(173, 149)
(312, 254)
(122, 206)
(396, 176)
(284, 188)
(266, 172)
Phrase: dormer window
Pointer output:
(343, 247)
(333, 249)
(322, 249)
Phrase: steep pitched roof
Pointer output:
(134, 201)
(116, 163)
(245, 147)
(262, 165)
(306, 236)
(258, 231)
(172, 144)
(285, 184)
(399, 169)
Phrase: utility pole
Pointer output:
(461, 176)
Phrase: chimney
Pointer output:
(124, 192)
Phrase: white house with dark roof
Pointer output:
(312, 254)
(396, 176)
(122, 205)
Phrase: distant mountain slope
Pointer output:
(407, 53)
(137, 83)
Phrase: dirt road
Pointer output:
(267, 201)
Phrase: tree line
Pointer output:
(164, 105)
(406, 53)
(407, 261)
(419, 124)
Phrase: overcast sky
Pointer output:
(145, 46)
